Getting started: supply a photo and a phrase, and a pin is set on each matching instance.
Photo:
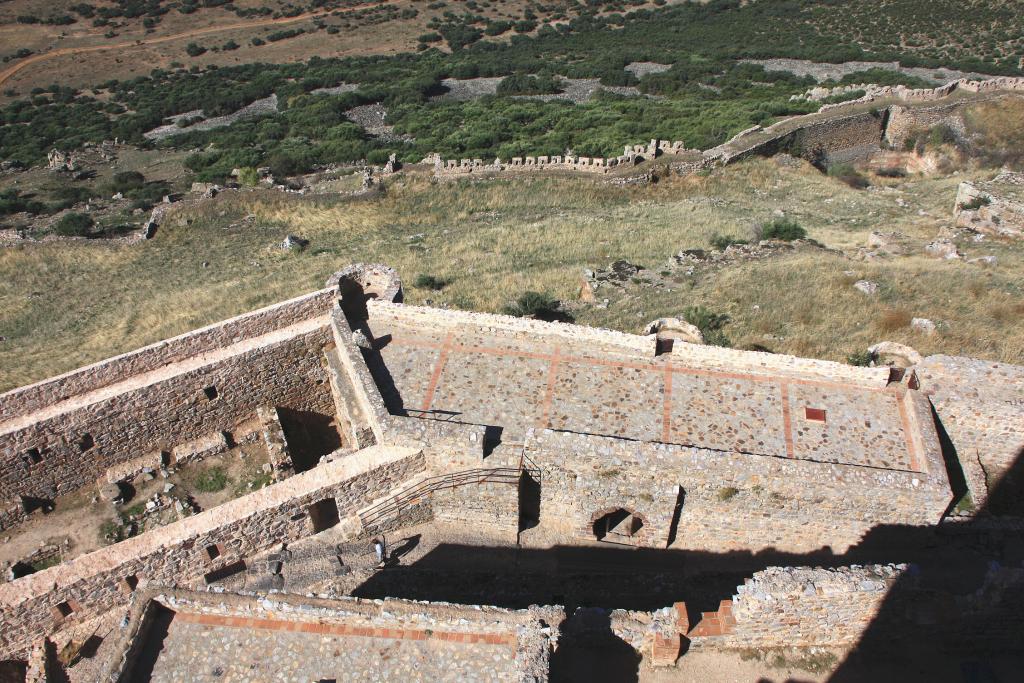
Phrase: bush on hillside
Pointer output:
(709, 323)
(783, 229)
(74, 225)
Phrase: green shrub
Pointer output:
(424, 281)
(975, 203)
(860, 358)
(536, 304)
(12, 201)
(124, 181)
(709, 323)
(211, 480)
(723, 242)
(784, 229)
(849, 175)
(525, 84)
(248, 176)
(193, 50)
(74, 225)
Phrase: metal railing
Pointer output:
(396, 504)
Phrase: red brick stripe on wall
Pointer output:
(344, 629)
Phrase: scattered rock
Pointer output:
(294, 243)
(867, 286)
(942, 248)
(923, 325)
(892, 353)
(675, 328)
(983, 260)
(110, 493)
(360, 339)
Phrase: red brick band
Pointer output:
(345, 629)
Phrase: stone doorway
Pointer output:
(620, 525)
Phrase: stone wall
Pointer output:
(693, 355)
(525, 629)
(24, 400)
(981, 406)
(632, 155)
(728, 501)
(179, 554)
(71, 443)
(803, 606)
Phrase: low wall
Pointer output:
(177, 554)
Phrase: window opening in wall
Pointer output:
(86, 442)
(618, 525)
(129, 583)
(324, 514)
(814, 414)
(663, 346)
(63, 610)
(214, 551)
(32, 456)
(210, 392)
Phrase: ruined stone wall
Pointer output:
(693, 355)
(981, 406)
(177, 554)
(632, 155)
(522, 629)
(801, 607)
(907, 121)
(729, 501)
(70, 444)
(494, 506)
(825, 140)
(26, 399)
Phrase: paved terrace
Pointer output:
(222, 649)
(472, 374)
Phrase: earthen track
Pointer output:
(8, 73)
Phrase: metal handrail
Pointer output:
(395, 503)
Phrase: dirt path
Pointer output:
(8, 73)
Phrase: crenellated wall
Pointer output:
(844, 135)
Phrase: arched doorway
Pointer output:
(618, 525)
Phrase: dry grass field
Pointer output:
(62, 306)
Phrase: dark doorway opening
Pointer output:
(529, 501)
(618, 525)
(324, 514)
(310, 436)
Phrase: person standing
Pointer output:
(378, 547)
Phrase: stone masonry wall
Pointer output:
(177, 555)
(523, 629)
(694, 355)
(69, 445)
(729, 501)
(26, 399)
(802, 606)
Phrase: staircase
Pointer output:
(415, 494)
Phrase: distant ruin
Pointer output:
(837, 133)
